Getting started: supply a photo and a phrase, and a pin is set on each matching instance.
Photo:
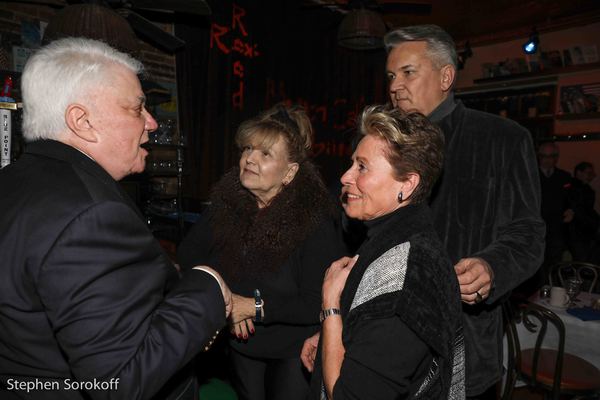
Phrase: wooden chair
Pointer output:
(586, 272)
(551, 370)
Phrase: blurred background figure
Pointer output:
(555, 208)
(583, 229)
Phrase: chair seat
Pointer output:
(577, 373)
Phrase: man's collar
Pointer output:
(443, 109)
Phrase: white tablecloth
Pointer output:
(582, 338)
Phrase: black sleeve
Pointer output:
(197, 247)
(384, 359)
(103, 287)
(318, 251)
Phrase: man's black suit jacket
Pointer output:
(84, 290)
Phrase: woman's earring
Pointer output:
(400, 197)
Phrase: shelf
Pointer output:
(548, 72)
(547, 82)
(576, 137)
(165, 174)
(10, 106)
(526, 80)
(541, 118)
(573, 117)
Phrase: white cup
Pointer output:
(558, 297)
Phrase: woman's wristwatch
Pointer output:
(328, 312)
(258, 304)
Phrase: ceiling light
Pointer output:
(361, 29)
(95, 22)
(531, 45)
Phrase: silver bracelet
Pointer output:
(328, 312)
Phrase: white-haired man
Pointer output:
(90, 305)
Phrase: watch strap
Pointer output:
(328, 312)
(258, 304)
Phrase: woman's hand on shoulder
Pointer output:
(335, 280)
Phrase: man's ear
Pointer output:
(77, 120)
(448, 74)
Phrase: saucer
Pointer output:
(546, 302)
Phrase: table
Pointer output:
(582, 338)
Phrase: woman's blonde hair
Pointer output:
(291, 123)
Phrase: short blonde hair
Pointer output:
(415, 145)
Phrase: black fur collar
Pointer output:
(251, 241)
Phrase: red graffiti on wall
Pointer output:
(227, 39)
(339, 117)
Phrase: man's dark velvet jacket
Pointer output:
(487, 205)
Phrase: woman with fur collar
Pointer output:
(271, 232)
(391, 317)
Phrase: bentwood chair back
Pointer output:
(550, 370)
(513, 350)
(586, 272)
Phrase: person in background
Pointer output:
(486, 206)
(391, 316)
(583, 229)
(271, 230)
(91, 307)
(555, 208)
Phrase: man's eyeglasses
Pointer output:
(553, 155)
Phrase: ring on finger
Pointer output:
(478, 297)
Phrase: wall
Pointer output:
(571, 152)
(558, 40)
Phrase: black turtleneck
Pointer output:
(412, 214)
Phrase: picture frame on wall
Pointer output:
(580, 99)
(583, 54)
(551, 59)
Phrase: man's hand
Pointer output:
(475, 277)
(224, 288)
(309, 351)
